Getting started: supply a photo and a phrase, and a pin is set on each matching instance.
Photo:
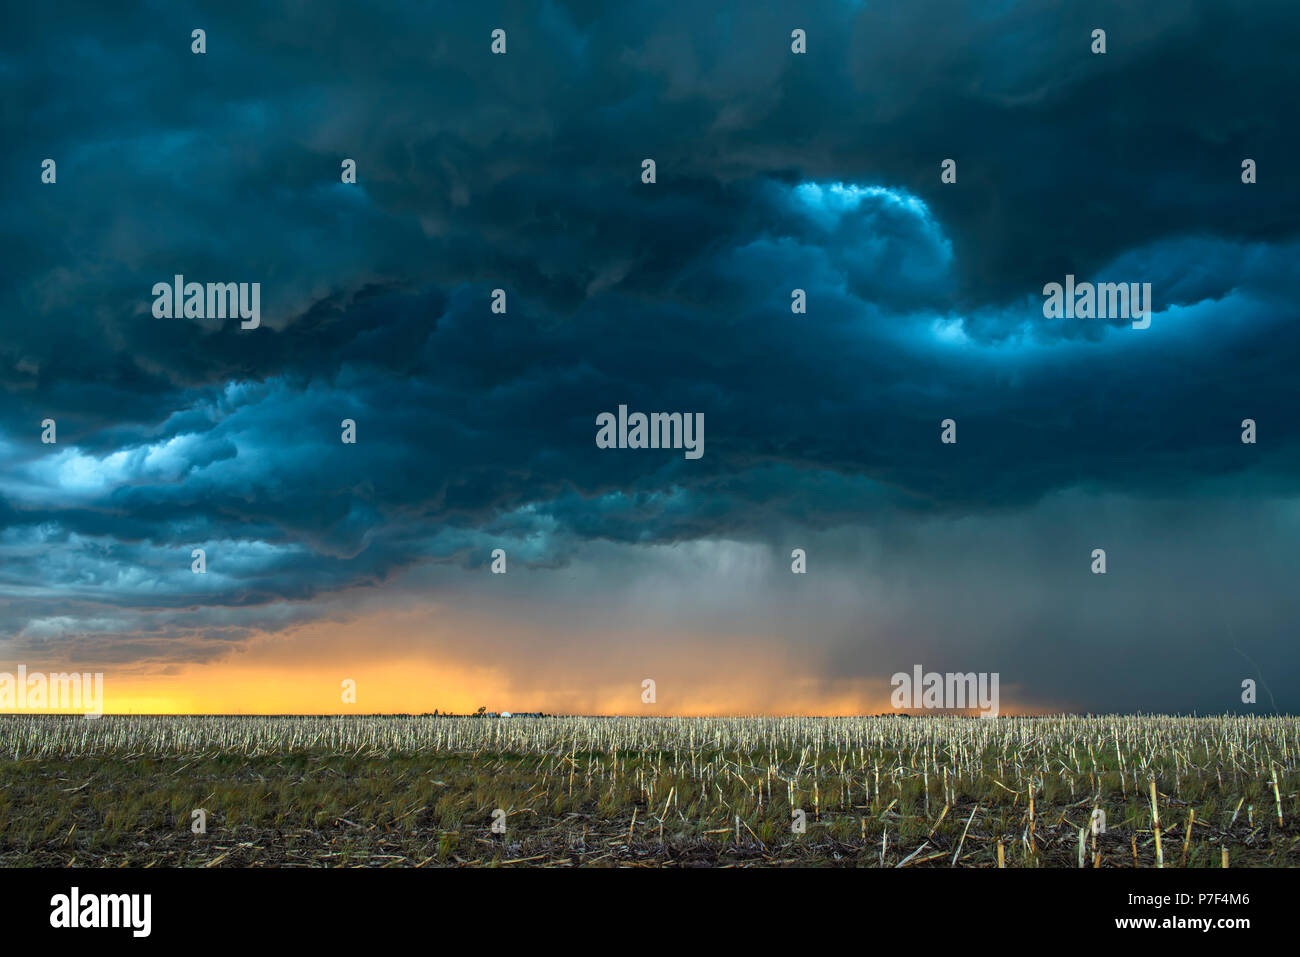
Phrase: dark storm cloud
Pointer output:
(522, 172)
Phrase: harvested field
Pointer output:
(892, 791)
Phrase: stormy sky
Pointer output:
(476, 430)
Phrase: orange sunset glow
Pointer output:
(303, 671)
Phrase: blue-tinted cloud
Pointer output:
(522, 172)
